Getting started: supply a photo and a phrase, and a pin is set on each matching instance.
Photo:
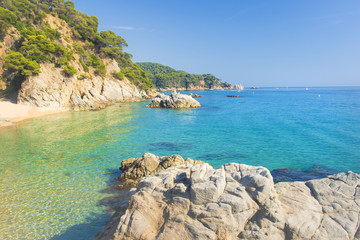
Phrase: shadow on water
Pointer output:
(220, 156)
(169, 146)
(116, 200)
(291, 175)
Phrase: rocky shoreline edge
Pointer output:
(175, 199)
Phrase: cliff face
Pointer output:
(52, 89)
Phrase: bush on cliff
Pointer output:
(16, 62)
(70, 70)
(7, 19)
(119, 75)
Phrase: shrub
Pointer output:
(7, 18)
(15, 61)
(94, 61)
(101, 70)
(84, 76)
(70, 70)
(119, 75)
(79, 49)
(63, 17)
(86, 69)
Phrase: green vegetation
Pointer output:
(164, 76)
(70, 70)
(119, 75)
(16, 62)
(138, 77)
(95, 62)
(84, 76)
(7, 19)
(49, 32)
(86, 69)
(40, 43)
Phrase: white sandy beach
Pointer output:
(11, 113)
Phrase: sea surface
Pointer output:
(55, 171)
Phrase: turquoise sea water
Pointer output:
(55, 171)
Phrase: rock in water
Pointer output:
(194, 95)
(149, 164)
(175, 100)
(237, 201)
(239, 87)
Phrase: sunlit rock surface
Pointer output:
(238, 201)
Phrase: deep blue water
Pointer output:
(276, 128)
(55, 170)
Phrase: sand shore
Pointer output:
(11, 113)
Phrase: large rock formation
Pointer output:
(239, 87)
(175, 100)
(237, 201)
(135, 168)
(52, 89)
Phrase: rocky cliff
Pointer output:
(48, 63)
(51, 88)
(237, 201)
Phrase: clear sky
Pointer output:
(256, 43)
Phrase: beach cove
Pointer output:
(51, 165)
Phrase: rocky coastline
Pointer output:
(75, 94)
(197, 88)
(235, 201)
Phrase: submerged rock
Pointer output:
(233, 95)
(236, 201)
(290, 175)
(174, 100)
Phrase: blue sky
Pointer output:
(256, 43)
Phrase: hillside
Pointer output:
(166, 77)
(52, 55)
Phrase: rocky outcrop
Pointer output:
(237, 201)
(135, 168)
(174, 100)
(194, 95)
(239, 87)
(53, 89)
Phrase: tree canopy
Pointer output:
(164, 76)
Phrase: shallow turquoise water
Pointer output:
(55, 170)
